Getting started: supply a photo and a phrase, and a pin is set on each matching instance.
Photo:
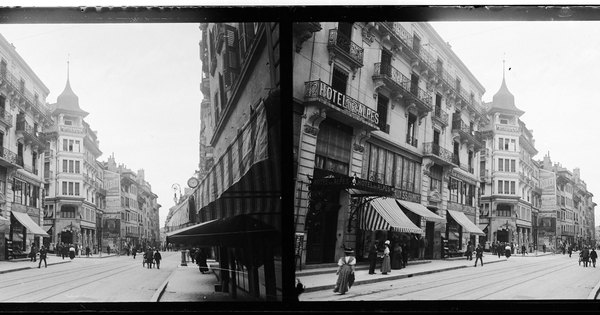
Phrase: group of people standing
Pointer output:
(198, 256)
(585, 255)
(151, 257)
(396, 256)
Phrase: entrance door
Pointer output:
(503, 236)
(321, 227)
(66, 237)
(429, 231)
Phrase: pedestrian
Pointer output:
(585, 256)
(32, 254)
(299, 290)
(478, 255)
(523, 249)
(72, 252)
(76, 250)
(396, 256)
(134, 252)
(499, 249)
(507, 251)
(43, 253)
(386, 264)
(201, 260)
(59, 248)
(544, 248)
(345, 272)
(144, 259)
(494, 248)
(108, 249)
(404, 254)
(192, 254)
(87, 251)
(414, 247)
(157, 258)
(469, 252)
(570, 251)
(373, 257)
(593, 256)
(422, 246)
(149, 258)
(65, 251)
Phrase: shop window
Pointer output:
(334, 147)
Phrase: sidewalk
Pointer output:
(188, 284)
(24, 263)
(324, 278)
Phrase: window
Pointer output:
(334, 147)
(231, 58)
(76, 189)
(64, 188)
(513, 167)
(71, 190)
(384, 166)
(412, 130)
(339, 80)
(503, 210)
(71, 166)
(65, 145)
(436, 178)
(68, 122)
(77, 164)
(501, 165)
(382, 107)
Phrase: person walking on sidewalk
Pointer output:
(593, 256)
(373, 257)
(585, 256)
(157, 258)
(478, 255)
(32, 254)
(507, 251)
(404, 254)
(201, 260)
(469, 252)
(134, 252)
(570, 250)
(422, 246)
(345, 272)
(386, 265)
(523, 249)
(87, 251)
(43, 253)
(396, 256)
(499, 249)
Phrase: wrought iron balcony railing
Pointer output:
(400, 32)
(430, 148)
(6, 118)
(11, 157)
(412, 140)
(346, 45)
(441, 116)
(396, 78)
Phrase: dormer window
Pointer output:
(68, 122)
(504, 121)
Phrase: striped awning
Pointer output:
(420, 210)
(246, 178)
(469, 226)
(385, 214)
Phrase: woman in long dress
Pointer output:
(386, 265)
(507, 251)
(345, 271)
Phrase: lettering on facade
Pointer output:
(347, 103)
(351, 182)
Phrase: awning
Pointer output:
(238, 230)
(28, 223)
(420, 210)
(469, 226)
(483, 227)
(385, 214)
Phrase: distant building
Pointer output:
(23, 116)
(131, 215)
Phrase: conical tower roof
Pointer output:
(504, 101)
(68, 101)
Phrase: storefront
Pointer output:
(459, 231)
(23, 233)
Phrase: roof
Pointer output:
(504, 101)
(68, 102)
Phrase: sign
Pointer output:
(299, 241)
(343, 182)
(345, 102)
(192, 182)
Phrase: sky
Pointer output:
(552, 69)
(140, 84)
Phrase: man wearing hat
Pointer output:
(373, 257)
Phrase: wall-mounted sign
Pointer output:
(324, 91)
(193, 182)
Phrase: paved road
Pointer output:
(546, 277)
(112, 279)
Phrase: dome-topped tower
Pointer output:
(68, 101)
(503, 100)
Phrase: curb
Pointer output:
(360, 267)
(594, 294)
(410, 275)
(161, 289)
(31, 267)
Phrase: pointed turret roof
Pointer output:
(68, 101)
(504, 101)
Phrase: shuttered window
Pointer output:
(231, 59)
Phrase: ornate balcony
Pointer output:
(388, 76)
(10, 159)
(401, 37)
(484, 176)
(424, 62)
(464, 132)
(29, 134)
(440, 155)
(419, 99)
(440, 116)
(6, 118)
(340, 105)
(340, 46)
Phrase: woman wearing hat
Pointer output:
(345, 272)
(386, 265)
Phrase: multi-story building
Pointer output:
(23, 116)
(386, 140)
(239, 189)
(568, 218)
(511, 197)
(130, 218)
(74, 193)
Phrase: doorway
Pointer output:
(321, 227)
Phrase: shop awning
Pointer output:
(483, 227)
(469, 226)
(420, 210)
(28, 223)
(237, 230)
(385, 214)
